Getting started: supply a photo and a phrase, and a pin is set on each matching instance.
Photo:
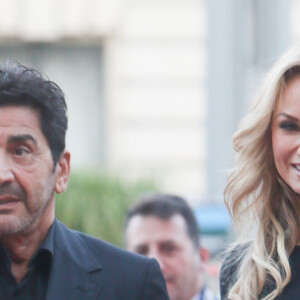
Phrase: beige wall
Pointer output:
(155, 62)
(295, 21)
(54, 20)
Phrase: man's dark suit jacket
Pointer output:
(86, 268)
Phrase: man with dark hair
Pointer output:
(164, 227)
(40, 258)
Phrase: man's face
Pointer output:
(27, 179)
(168, 242)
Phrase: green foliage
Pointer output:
(97, 204)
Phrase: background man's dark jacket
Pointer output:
(86, 268)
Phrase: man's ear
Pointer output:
(62, 172)
(202, 257)
(204, 254)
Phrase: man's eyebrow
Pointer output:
(141, 245)
(167, 242)
(288, 116)
(21, 138)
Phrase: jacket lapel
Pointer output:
(75, 272)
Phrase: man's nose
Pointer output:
(155, 254)
(6, 174)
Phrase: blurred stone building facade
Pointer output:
(154, 87)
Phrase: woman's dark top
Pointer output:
(290, 292)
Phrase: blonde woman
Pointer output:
(264, 186)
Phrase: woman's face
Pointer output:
(286, 134)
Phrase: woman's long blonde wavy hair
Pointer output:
(254, 186)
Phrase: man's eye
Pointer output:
(168, 248)
(142, 250)
(289, 126)
(21, 151)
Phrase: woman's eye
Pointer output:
(289, 126)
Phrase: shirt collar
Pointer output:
(46, 249)
(199, 295)
(4, 257)
(48, 242)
